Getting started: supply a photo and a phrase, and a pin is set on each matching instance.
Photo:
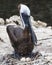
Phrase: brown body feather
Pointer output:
(20, 39)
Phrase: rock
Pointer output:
(38, 23)
(28, 59)
(34, 64)
(50, 27)
(42, 23)
(14, 18)
(1, 40)
(2, 21)
(48, 58)
(23, 59)
(8, 21)
(1, 58)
